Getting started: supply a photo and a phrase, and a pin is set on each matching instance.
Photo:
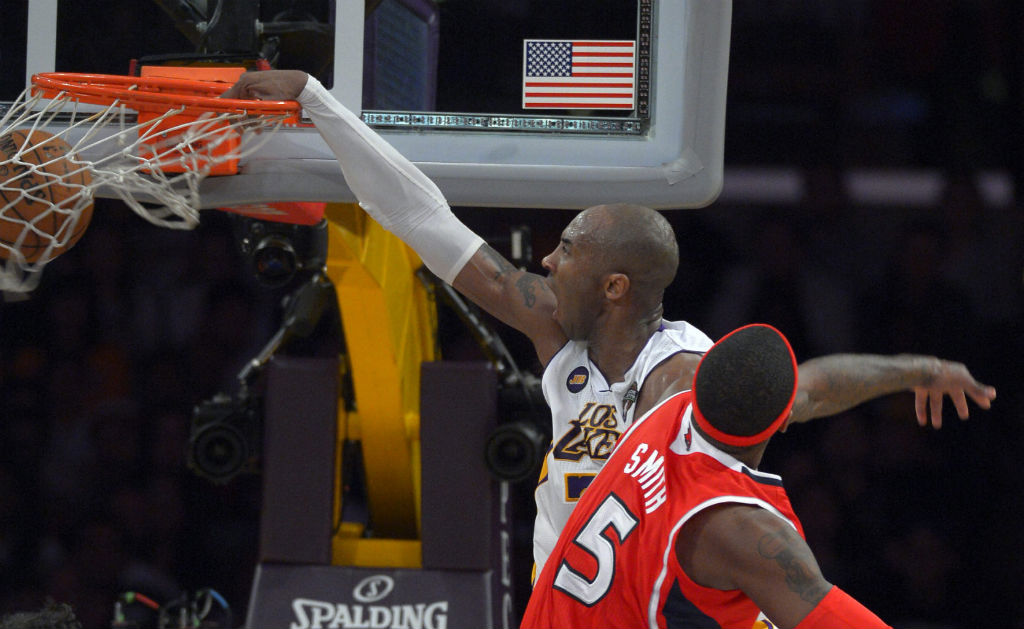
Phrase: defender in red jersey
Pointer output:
(679, 519)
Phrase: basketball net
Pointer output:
(152, 156)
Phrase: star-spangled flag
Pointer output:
(579, 74)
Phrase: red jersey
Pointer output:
(615, 564)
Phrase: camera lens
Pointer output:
(514, 451)
(218, 452)
(275, 260)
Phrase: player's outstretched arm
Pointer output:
(400, 197)
(832, 384)
(520, 299)
(744, 547)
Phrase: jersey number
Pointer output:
(595, 539)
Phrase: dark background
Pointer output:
(100, 368)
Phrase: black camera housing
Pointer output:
(226, 437)
(276, 252)
(516, 448)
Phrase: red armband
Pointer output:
(839, 610)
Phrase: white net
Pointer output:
(154, 166)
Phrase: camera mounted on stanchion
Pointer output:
(226, 437)
(276, 252)
(515, 449)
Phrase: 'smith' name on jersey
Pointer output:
(314, 614)
(593, 433)
(649, 472)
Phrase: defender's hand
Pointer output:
(954, 380)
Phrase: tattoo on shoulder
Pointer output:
(800, 576)
(501, 265)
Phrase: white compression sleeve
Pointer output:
(391, 188)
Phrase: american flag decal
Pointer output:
(579, 74)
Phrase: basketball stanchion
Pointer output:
(150, 142)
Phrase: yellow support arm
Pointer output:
(390, 328)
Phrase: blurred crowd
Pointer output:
(918, 523)
(99, 371)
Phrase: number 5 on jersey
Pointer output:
(596, 540)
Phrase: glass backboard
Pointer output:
(504, 103)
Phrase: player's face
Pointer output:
(574, 280)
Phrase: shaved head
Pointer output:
(633, 240)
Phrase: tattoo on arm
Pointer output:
(527, 285)
(800, 577)
(501, 265)
(832, 384)
(500, 285)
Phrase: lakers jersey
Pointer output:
(588, 415)
(615, 564)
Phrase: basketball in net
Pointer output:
(149, 141)
(41, 188)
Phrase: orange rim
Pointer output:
(155, 94)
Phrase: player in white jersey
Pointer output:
(588, 415)
(604, 286)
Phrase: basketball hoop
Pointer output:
(150, 143)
